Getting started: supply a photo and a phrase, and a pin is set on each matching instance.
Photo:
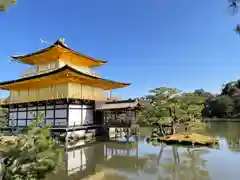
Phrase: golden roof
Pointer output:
(62, 75)
(57, 51)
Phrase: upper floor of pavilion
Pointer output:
(56, 56)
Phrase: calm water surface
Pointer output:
(138, 160)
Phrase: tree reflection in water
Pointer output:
(228, 131)
(184, 165)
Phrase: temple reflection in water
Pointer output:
(114, 155)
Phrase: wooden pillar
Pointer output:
(82, 112)
(67, 120)
(26, 123)
(115, 116)
(17, 116)
(8, 115)
(45, 112)
(54, 112)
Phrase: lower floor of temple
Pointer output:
(72, 114)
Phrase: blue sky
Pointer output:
(149, 43)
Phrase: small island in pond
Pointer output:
(176, 117)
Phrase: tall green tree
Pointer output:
(165, 106)
(170, 105)
(192, 104)
(222, 106)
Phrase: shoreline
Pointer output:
(221, 120)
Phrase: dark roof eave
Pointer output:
(57, 71)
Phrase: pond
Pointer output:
(138, 160)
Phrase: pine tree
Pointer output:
(34, 154)
(171, 106)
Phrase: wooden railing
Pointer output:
(118, 123)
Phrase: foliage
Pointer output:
(170, 106)
(34, 154)
(3, 117)
(221, 106)
(234, 7)
(227, 104)
(164, 104)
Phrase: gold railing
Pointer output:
(31, 72)
(94, 74)
(28, 72)
(112, 98)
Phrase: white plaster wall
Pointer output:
(75, 116)
(87, 116)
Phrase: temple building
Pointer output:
(61, 85)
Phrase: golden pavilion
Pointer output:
(61, 85)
